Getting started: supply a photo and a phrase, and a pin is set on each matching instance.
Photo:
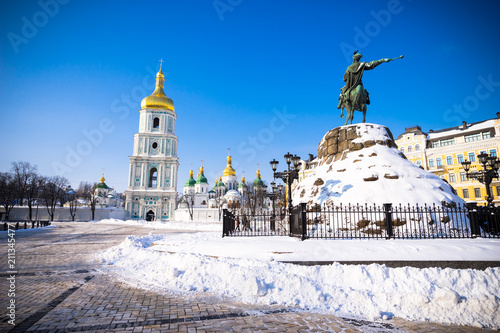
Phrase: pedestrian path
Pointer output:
(59, 289)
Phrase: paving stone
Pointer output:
(59, 289)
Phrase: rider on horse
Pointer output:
(353, 76)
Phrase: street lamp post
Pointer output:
(485, 176)
(275, 191)
(289, 175)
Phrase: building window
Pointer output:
(498, 190)
(417, 147)
(463, 177)
(473, 137)
(472, 157)
(447, 142)
(431, 163)
(153, 175)
(438, 162)
(449, 160)
(409, 149)
(402, 149)
(419, 163)
(460, 158)
(465, 193)
(156, 122)
(452, 177)
(486, 135)
(477, 192)
(435, 144)
(493, 152)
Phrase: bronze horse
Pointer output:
(356, 101)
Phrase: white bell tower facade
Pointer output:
(152, 180)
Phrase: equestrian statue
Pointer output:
(353, 95)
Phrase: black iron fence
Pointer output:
(368, 222)
(246, 223)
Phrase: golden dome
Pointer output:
(229, 171)
(158, 99)
(243, 180)
(102, 179)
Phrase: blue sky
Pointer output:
(259, 77)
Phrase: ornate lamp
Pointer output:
(485, 176)
(483, 157)
(288, 158)
(296, 161)
(466, 165)
(274, 164)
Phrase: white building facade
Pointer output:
(152, 180)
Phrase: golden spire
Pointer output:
(102, 178)
(243, 180)
(191, 171)
(202, 170)
(158, 99)
(229, 171)
(258, 171)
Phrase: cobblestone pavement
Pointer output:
(58, 289)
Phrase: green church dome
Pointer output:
(201, 179)
(190, 182)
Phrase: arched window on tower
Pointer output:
(153, 176)
(156, 123)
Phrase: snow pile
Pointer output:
(464, 297)
(195, 226)
(374, 174)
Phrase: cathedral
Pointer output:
(205, 203)
(151, 193)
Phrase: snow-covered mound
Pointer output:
(360, 164)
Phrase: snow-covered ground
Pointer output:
(249, 270)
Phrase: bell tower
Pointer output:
(152, 180)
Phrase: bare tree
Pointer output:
(254, 197)
(220, 201)
(7, 192)
(88, 192)
(53, 193)
(188, 200)
(22, 173)
(35, 185)
(71, 195)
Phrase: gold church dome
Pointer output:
(229, 171)
(158, 99)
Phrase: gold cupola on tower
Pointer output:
(158, 99)
(229, 171)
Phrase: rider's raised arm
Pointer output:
(374, 63)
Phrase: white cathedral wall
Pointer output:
(199, 215)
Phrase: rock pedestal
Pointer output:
(341, 140)
(360, 164)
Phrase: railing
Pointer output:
(369, 222)
(24, 225)
(246, 223)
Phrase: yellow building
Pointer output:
(442, 152)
